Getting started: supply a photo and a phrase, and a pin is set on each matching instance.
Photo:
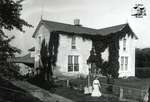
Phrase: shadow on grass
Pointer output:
(11, 93)
(44, 84)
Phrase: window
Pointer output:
(124, 44)
(39, 43)
(73, 43)
(70, 63)
(124, 63)
(40, 40)
(73, 63)
(76, 64)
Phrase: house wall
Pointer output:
(82, 50)
(130, 53)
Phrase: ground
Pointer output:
(62, 93)
(78, 96)
(12, 93)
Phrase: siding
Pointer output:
(130, 52)
(83, 48)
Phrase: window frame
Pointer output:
(40, 40)
(124, 62)
(124, 44)
(74, 63)
(70, 65)
(73, 42)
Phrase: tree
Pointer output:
(142, 63)
(45, 61)
(10, 15)
(46, 67)
(143, 57)
(9, 19)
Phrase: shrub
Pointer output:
(78, 83)
(142, 73)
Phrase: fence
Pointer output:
(127, 94)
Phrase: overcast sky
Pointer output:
(92, 13)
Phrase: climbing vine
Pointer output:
(108, 68)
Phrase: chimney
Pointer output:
(77, 22)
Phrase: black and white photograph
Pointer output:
(74, 51)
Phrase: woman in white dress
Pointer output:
(96, 86)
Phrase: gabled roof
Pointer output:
(113, 29)
(56, 26)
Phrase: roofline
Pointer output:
(42, 22)
(136, 37)
(38, 26)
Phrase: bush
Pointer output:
(78, 83)
(142, 73)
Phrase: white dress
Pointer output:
(96, 92)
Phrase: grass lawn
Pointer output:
(78, 96)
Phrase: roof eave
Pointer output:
(132, 32)
(37, 28)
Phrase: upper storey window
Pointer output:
(124, 44)
(40, 40)
(73, 42)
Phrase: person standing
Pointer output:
(96, 88)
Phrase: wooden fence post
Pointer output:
(68, 83)
(121, 94)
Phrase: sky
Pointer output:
(92, 13)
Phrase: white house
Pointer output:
(73, 51)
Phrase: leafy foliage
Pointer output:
(143, 57)
(53, 48)
(8, 51)
(108, 68)
(48, 58)
(44, 59)
(142, 63)
(9, 19)
(10, 15)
